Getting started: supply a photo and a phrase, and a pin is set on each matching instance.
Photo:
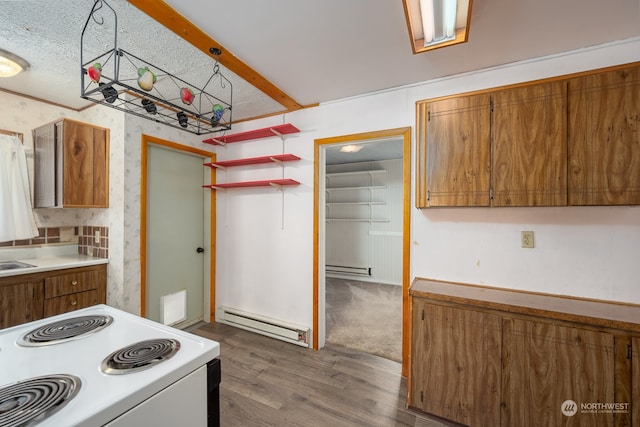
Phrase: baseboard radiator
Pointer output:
(273, 328)
(346, 269)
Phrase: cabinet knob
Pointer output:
(74, 282)
(74, 302)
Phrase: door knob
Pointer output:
(200, 250)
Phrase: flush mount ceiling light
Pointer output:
(11, 65)
(351, 148)
(121, 80)
(437, 23)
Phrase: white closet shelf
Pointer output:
(355, 203)
(365, 187)
(369, 172)
(356, 220)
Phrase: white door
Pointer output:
(175, 235)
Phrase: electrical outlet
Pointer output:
(96, 237)
(526, 239)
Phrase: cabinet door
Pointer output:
(529, 151)
(85, 173)
(454, 151)
(604, 138)
(455, 371)
(546, 365)
(18, 304)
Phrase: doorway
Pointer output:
(353, 268)
(177, 229)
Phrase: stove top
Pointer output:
(35, 399)
(64, 330)
(99, 397)
(139, 356)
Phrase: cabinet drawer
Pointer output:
(71, 302)
(64, 284)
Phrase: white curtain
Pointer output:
(17, 221)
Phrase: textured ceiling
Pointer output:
(313, 51)
(47, 34)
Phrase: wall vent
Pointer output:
(347, 269)
(273, 328)
(174, 307)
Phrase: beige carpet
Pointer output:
(365, 316)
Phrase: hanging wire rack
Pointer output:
(124, 83)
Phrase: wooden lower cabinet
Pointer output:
(545, 365)
(29, 297)
(456, 364)
(493, 357)
(20, 301)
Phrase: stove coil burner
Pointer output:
(139, 356)
(30, 401)
(65, 330)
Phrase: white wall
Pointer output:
(581, 251)
(265, 268)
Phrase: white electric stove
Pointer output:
(101, 366)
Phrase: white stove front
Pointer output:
(102, 397)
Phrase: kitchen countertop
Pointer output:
(610, 314)
(46, 258)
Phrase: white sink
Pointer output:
(13, 265)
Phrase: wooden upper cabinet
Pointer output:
(86, 159)
(71, 165)
(454, 148)
(604, 138)
(529, 146)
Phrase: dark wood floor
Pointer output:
(267, 382)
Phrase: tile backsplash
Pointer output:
(93, 241)
(83, 235)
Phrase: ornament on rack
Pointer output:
(187, 96)
(218, 111)
(146, 78)
(94, 72)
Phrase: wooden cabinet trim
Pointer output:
(603, 314)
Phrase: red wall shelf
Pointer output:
(278, 130)
(245, 184)
(277, 158)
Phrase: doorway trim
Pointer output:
(405, 133)
(146, 141)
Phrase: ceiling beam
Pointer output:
(167, 16)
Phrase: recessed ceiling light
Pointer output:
(437, 23)
(351, 148)
(11, 64)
